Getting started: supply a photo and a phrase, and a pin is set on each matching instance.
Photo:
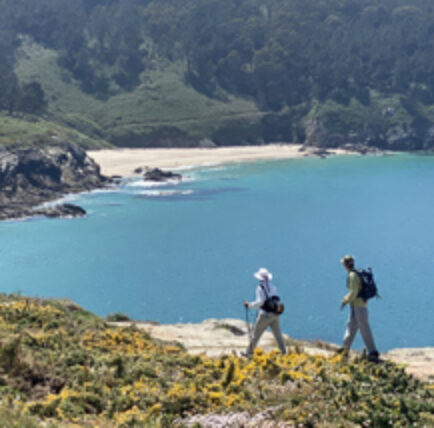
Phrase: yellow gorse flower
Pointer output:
(122, 374)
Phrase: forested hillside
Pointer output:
(165, 72)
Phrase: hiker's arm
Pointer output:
(354, 287)
(260, 299)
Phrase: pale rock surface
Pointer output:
(215, 337)
(419, 361)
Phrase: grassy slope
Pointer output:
(24, 130)
(161, 100)
(67, 366)
(163, 105)
(163, 108)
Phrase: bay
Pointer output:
(187, 252)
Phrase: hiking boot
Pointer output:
(373, 357)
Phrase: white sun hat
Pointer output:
(263, 274)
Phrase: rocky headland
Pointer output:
(32, 176)
(320, 132)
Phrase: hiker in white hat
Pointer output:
(270, 308)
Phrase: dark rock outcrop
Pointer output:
(362, 149)
(62, 210)
(30, 176)
(401, 138)
(156, 174)
(321, 153)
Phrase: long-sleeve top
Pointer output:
(354, 285)
(261, 297)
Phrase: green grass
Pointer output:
(163, 109)
(15, 419)
(30, 130)
(161, 100)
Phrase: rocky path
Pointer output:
(419, 361)
(224, 336)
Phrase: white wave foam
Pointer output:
(73, 197)
(183, 168)
(173, 182)
(108, 190)
(67, 199)
(166, 193)
(216, 168)
(149, 183)
(203, 166)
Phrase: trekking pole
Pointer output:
(249, 330)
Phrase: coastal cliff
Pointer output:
(62, 365)
(31, 176)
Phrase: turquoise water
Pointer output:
(187, 252)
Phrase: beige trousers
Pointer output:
(359, 320)
(263, 321)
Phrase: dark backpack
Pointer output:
(369, 288)
(272, 304)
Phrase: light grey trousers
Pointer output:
(263, 321)
(359, 320)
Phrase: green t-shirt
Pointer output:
(354, 285)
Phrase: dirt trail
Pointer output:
(225, 336)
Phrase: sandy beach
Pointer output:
(123, 162)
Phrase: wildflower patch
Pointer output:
(68, 366)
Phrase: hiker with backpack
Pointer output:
(269, 309)
(361, 287)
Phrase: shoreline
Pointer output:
(123, 162)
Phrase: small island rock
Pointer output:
(156, 174)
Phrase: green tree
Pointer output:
(31, 98)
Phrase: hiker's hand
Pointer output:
(342, 305)
(246, 304)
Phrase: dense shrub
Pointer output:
(85, 371)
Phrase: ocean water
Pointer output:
(185, 252)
